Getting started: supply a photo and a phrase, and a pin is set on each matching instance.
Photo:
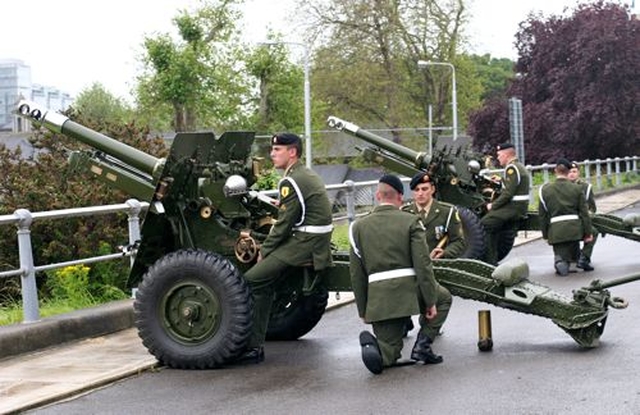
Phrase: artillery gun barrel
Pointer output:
(598, 285)
(58, 123)
(419, 159)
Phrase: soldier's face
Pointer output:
(423, 193)
(574, 173)
(282, 155)
(503, 157)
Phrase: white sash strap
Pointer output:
(563, 218)
(520, 198)
(396, 273)
(314, 229)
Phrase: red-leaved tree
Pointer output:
(579, 82)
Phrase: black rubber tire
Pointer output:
(293, 314)
(473, 234)
(193, 310)
(506, 238)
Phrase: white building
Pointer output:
(15, 84)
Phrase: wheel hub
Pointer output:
(191, 312)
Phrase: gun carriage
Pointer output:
(204, 228)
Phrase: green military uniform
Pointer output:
(391, 276)
(511, 204)
(441, 220)
(587, 189)
(301, 235)
(564, 218)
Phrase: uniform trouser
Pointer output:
(566, 251)
(431, 328)
(494, 222)
(587, 248)
(389, 335)
(262, 278)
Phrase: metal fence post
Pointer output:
(350, 196)
(635, 164)
(134, 225)
(598, 174)
(618, 179)
(29, 290)
(545, 173)
(587, 171)
(609, 171)
(627, 165)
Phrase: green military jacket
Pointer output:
(587, 189)
(563, 212)
(302, 232)
(514, 196)
(387, 247)
(442, 220)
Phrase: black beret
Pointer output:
(564, 162)
(394, 182)
(285, 139)
(503, 146)
(421, 177)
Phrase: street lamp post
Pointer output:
(307, 96)
(454, 95)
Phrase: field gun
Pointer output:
(204, 228)
(460, 181)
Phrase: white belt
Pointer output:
(396, 273)
(520, 198)
(562, 218)
(314, 229)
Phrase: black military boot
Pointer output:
(251, 355)
(584, 263)
(371, 355)
(422, 352)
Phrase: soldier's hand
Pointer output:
(431, 312)
(588, 238)
(489, 206)
(436, 253)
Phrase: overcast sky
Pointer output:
(70, 44)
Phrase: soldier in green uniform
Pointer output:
(511, 204)
(443, 229)
(584, 261)
(300, 236)
(392, 278)
(441, 220)
(564, 218)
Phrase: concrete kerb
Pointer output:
(52, 331)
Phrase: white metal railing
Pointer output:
(22, 218)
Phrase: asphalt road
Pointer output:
(534, 368)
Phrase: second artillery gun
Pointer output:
(460, 181)
(203, 230)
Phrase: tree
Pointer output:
(44, 182)
(579, 81)
(98, 104)
(195, 79)
(494, 74)
(367, 67)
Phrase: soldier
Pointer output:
(443, 230)
(584, 261)
(301, 235)
(564, 218)
(511, 204)
(441, 220)
(392, 279)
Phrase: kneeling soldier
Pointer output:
(392, 279)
